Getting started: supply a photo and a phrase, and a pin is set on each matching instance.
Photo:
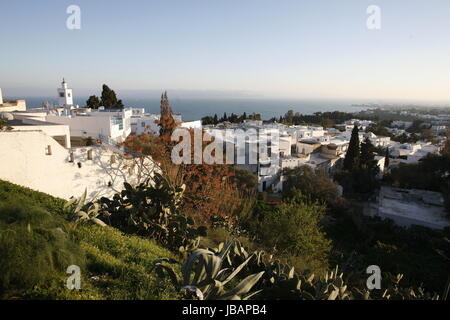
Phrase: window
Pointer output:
(61, 94)
(68, 95)
(143, 124)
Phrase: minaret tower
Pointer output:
(65, 95)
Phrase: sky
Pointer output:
(314, 49)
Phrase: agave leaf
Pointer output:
(213, 266)
(81, 201)
(225, 250)
(186, 269)
(244, 286)
(251, 295)
(291, 273)
(333, 295)
(82, 215)
(71, 201)
(99, 222)
(172, 275)
(237, 270)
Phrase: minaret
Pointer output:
(65, 95)
(1, 96)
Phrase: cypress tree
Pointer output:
(109, 99)
(367, 157)
(166, 121)
(386, 161)
(351, 160)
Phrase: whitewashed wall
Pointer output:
(25, 162)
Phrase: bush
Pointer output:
(317, 186)
(292, 228)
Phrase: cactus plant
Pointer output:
(79, 210)
(152, 209)
(204, 279)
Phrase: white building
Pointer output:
(10, 106)
(37, 161)
(106, 125)
(411, 152)
(65, 95)
(142, 122)
(408, 207)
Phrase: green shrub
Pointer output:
(293, 229)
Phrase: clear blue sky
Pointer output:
(269, 48)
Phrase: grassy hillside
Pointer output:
(37, 244)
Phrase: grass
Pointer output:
(37, 244)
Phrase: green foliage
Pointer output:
(246, 181)
(421, 254)
(316, 186)
(4, 126)
(431, 173)
(203, 277)
(10, 192)
(153, 210)
(380, 128)
(109, 99)
(367, 157)
(292, 228)
(93, 102)
(35, 246)
(387, 159)
(416, 126)
(351, 160)
(79, 211)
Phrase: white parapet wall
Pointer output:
(35, 160)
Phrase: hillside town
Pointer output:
(65, 149)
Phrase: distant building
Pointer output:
(11, 105)
(408, 207)
(106, 125)
(65, 95)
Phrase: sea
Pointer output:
(195, 109)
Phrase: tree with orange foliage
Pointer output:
(211, 190)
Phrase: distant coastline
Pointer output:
(194, 109)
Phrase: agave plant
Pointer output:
(81, 211)
(395, 292)
(203, 277)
